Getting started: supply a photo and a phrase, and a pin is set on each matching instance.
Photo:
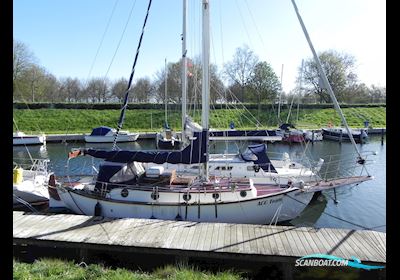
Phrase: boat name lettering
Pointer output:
(265, 202)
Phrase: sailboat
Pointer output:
(124, 188)
(167, 139)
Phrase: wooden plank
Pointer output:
(190, 235)
(290, 246)
(332, 242)
(215, 234)
(174, 231)
(205, 238)
(296, 245)
(234, 244)
(321, 242)
(158, 232)
(324, 240)
(252, 239)
(221, 238)
(180, 236)
(368, 246)
(373, 244)
(278, 239)
(239, 238)
(344, 246)
(352, 241)
(197, 237)
(270, 244)
(246, 239)
(31, 226)
(161, 235)
(260, 239)
(305, 236)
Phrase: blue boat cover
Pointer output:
(286, 126)
(258, 155)
(195, 152)
(100, 131)
(236, 133)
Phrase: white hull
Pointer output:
(259, 210)
(29, 140)
(308, 136)
(31, 189)
(110, 139)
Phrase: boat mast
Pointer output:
(326, 82)
(280, 97)
(184, 68)
(205, 89)
(165, 95)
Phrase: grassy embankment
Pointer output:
(52, 269)
(64, 121)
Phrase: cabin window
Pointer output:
(124, 192)
(224, 168)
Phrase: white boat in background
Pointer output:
(20, 138)
(30, 183)
(105, 134)
(312, 136)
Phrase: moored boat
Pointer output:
(105, 134)
(340, 134)
(20, 138)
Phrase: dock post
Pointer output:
(341, 136)
(382, 133)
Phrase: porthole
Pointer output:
(243, 193)
(154, 196)
(215, 195)
(187, 197)
(124, 192)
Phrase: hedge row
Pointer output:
(158, 106)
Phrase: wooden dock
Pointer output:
(185, 240)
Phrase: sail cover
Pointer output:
(258, 155)
(195, 152)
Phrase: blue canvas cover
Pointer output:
(236, 133)
(100, 131)
(258, 155)
(195, 152)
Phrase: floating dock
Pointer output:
(183, 240)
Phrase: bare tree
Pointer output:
(241, 69)
(339, 69)
(97, 90)
(23, 60)
(118, 89)
(142, 90)
(71, 89)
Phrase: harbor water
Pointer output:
(359, 207)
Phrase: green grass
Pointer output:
(83, 121)
(55, 269)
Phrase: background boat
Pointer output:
(105, 134)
